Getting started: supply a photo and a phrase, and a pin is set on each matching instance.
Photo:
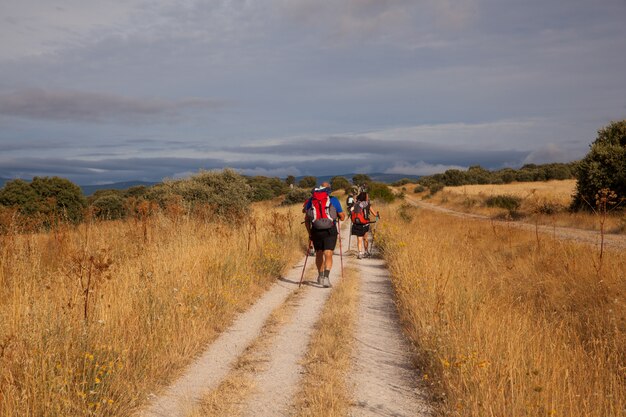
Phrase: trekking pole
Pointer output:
(350, 236)
(340, 248)
(306, 258)
(374, 232)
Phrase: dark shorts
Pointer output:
(324, 239)
(360, 229)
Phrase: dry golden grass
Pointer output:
(505, 327)
(541, 202)
(556, 191)
(323, 391)
(229, 397)
(94, 319)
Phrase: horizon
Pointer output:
(125, 92)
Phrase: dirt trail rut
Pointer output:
(579, 235)
(384, 378)
(384, 381)
(208, 370)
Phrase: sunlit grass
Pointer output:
(541, 202)
(507, 327)
(96, 319)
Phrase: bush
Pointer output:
(603, 167)
(266, 188)
(109, 207)
(507, 202)
(48, 196)
(380, 191)
(419, 189)
(435, 188)
(307, 182)
(340, 183)
(403, 181)
(226, 192)
(296, 196)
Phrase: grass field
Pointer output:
(541, 202)
(95, 319)
(505, 326)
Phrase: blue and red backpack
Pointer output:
(360, 213)
(321, 212)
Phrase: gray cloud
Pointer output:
(384, 151)
(65, 105)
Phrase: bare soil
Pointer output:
(579, 235)
(384, 380)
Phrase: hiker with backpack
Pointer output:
(360, 217)
(350, 201)
(322, 213)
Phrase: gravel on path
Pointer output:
(385, 380)
(276, 386)
(206, 372)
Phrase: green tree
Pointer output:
(380, 191)
(290, 180)
(18, 193)
(339, 183)
(109, 206)
(50, 196)
(604, 166)
(307, 182)
(361, 179)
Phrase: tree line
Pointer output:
(224, 195)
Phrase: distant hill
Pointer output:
(90, 189)
(377, 176)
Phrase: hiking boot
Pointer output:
(320, 280)
(326, 282)
(359, 256)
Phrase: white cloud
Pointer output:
(551, 152)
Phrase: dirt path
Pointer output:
(579, 235)
(208, 370)
(278, 383)
(383, 379)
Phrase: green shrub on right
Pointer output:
(503, 201)
(603, 167)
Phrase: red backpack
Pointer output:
(321, 212)
(360, 213)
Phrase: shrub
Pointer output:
(296, 196)
(419, 189)
(507, 202)
(109, 207)
(339, 183)
(603, 167)
(434, 188)
(226, 192)
(403, 181)
(48, 196)
(361, 179)
(266, 188)
(307, 182)
(381, 191)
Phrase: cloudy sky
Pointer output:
(103, 91)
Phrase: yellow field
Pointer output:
(559, 192)
(96, 319)
(541, 202)
(507, 326)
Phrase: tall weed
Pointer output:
(505, 326)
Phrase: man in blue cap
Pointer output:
(322, 213)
